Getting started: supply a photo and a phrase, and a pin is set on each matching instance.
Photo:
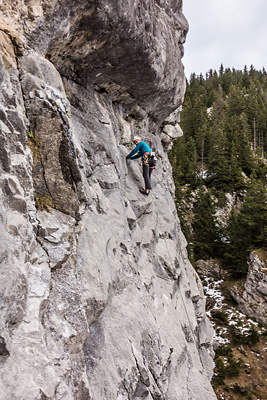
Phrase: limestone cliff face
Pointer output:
(251, 296)
(98, 298)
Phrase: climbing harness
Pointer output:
(150, 159)
(146, 157)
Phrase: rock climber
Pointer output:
(144, 151)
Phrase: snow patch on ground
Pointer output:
(243, 324)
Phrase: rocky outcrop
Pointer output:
(233, 201)
(98, 298)
(252, 296)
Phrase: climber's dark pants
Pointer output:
(147, 170)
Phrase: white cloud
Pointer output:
(228, 32)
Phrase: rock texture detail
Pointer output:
(252, 296)
(98, 298)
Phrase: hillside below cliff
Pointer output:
(98, 298)
(219, 169)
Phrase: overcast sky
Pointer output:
(228, 32)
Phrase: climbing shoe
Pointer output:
(144, 192)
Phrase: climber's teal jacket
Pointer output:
(141, 148)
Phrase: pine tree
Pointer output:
(206, 243)
(191, 170)
(218, 175)
(253, 214)
(246, 230)
(235, 101)
(235, 246)
(178, 160)
(236, 180)
(183, 157)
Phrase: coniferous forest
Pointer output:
(223, 151)
(220, 169)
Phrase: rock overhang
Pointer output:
(90, 43)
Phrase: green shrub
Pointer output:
(244, 390)
(250, 338)
(223, 350)
(220, 317)
(219, 374)
(228, 298)
(225, 369)
(233, 367)
(253, 336)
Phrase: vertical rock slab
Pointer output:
(25, 275)
(251, 297)
(56, 175)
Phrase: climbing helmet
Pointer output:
(136, 139)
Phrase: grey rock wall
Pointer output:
(97, 297)
(252, 296)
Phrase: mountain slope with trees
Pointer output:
(220, 169)
(224, 120)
